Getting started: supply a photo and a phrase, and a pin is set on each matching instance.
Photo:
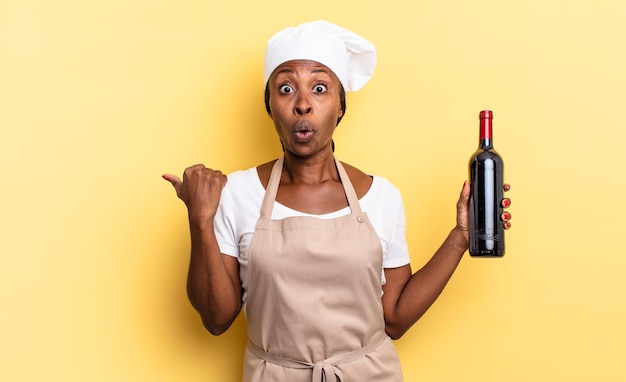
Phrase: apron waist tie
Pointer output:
(324, 370)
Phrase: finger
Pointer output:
(173, 179)
(196, 167)
(465, 191)
(192, 170)
(461, 204)
(506, 203)
(507, 225)
(506, 216)
(506, 186)
(218, 176)
(219, 179)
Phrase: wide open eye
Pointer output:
(320, 88)
(286, 89)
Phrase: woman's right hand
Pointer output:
(200, 190)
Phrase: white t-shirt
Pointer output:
(240, 209)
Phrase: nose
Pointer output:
(302, 105)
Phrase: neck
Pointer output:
(310, 170)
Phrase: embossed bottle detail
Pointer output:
(486, 180)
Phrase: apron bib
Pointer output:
(314, 307)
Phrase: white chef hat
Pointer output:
(351, 57)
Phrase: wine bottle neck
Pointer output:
(486, 130)
(486, 144)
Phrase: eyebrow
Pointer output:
(287, 70)
(320, 71)
(284, 71)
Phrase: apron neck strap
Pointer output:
(274, 182)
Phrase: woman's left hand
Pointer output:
(462, 210)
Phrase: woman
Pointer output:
(313, 248)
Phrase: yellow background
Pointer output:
(99, 98)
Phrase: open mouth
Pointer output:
(303, 134)
(303, 131)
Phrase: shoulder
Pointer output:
(372, 185)
(242, 195)
(242, 183)
(383, 185)
(243, 176)
(361, 181)
(383, 193)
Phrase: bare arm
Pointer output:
(408, 296)
(213, 284)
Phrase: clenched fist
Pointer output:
(200, 190)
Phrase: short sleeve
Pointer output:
(397, 250)
(383, 204)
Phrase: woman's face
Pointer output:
(304, 105)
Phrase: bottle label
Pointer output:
(487, 236)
